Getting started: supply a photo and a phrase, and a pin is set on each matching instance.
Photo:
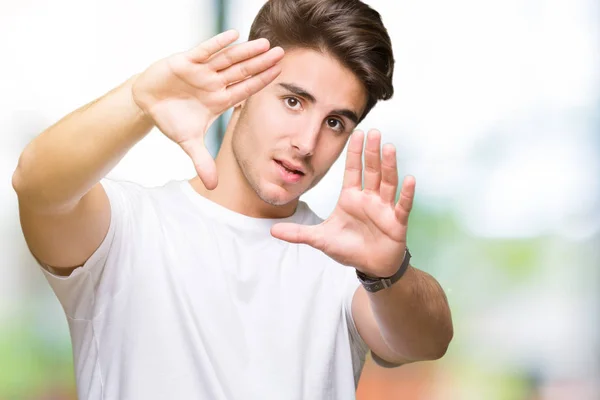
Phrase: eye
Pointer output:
(335, 124)
(292, 103)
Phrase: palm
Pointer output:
(186, 92)
(182, 119)
(192, 98)
(366, 230)
(362, 222)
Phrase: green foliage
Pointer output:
(28, 363)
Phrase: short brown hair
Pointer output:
(349, 30)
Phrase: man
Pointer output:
(226, 286)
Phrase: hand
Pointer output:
(366, 229)
(186, 92)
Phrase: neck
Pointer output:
(233, 190)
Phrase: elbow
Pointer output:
(433, 348)
(442, 335)
(18, 181)
(22, 176)
(25, 165)
(440, 351)
(442, 343)
(25, 182)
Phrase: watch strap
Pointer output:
(373, 284)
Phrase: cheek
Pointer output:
(265, 122)
(249, 133)
(330, 149)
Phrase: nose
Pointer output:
(305, 139)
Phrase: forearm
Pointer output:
(64, 162)
(413, 316)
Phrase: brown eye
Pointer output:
(292, 102)
(335, 124)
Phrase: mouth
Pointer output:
(290, 174)
(290, 167)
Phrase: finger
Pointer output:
(405, 202)
(246, 88)
(373, 161)
(353, 171)
(296, 233)
(238, 53)
(206, 49)
(240, 71)
(389, 175)
(203, 162)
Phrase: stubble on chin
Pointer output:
(252, 177)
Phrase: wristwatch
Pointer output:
(373, 284)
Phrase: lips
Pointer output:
(288, 172)
(297, 169)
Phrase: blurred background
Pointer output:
(496, 114)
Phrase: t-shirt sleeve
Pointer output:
(87, 291)
(358, 346)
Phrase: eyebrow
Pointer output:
(351, 115)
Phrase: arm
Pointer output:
(65, 213)
(63, 163)
(410, 321)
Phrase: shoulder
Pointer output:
(137, 206)
(133, 192)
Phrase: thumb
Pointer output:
(203, 162)
(296, 233)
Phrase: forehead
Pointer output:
(331, 83)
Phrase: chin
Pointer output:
(275, 195)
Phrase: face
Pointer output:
(290, 133)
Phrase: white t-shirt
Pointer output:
(185, 299)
